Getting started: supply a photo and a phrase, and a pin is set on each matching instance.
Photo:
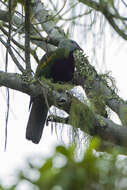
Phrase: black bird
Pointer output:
(58, 65)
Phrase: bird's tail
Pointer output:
(37, 119)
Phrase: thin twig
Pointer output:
(75, 17)
(33, 53)
(124, 3)
(18, 30)
(6, 33)
(6, 67)
(110, 18)
(13, 56)
(27, 36)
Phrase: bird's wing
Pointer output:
(44, 68)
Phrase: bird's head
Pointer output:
(71, 45)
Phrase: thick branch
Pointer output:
(19, 82)
(93, 124)
(109, 131)
(43, 17)
(32, 87)
(100, 126)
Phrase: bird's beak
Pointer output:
(80, 48)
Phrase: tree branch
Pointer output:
(18, 23)
(42, 15)
(13, 56)
(21, 83)
(103, 8)
(86, 77)
(33, 53)
(97, 89)
(104, 128)
(94, 124)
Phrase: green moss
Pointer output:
(123, 114)
(81, 116)
(101, 122)
(60, 87)
(88, 75)
(98, 105)
(83, 67)
(109, 81)
(26, 77)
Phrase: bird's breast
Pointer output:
(63, 69)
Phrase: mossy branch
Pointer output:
(98, 91)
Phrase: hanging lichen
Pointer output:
(83, 68)
(98, 105)
(81, 116)
(123, 114)
(95, 85)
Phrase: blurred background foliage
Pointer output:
(64, 171)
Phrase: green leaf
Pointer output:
(47, 165)
(62, 150)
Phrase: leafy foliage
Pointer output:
(63, 171)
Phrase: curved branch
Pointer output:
(110, 19)
(42, 15)
(109, 16)
(20, 82)
(99, 126)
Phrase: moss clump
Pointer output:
(60, 87)
(98, 105)
(109, 81)
(101, 122)
(123, 114)
(81, 116)
(83, 68)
